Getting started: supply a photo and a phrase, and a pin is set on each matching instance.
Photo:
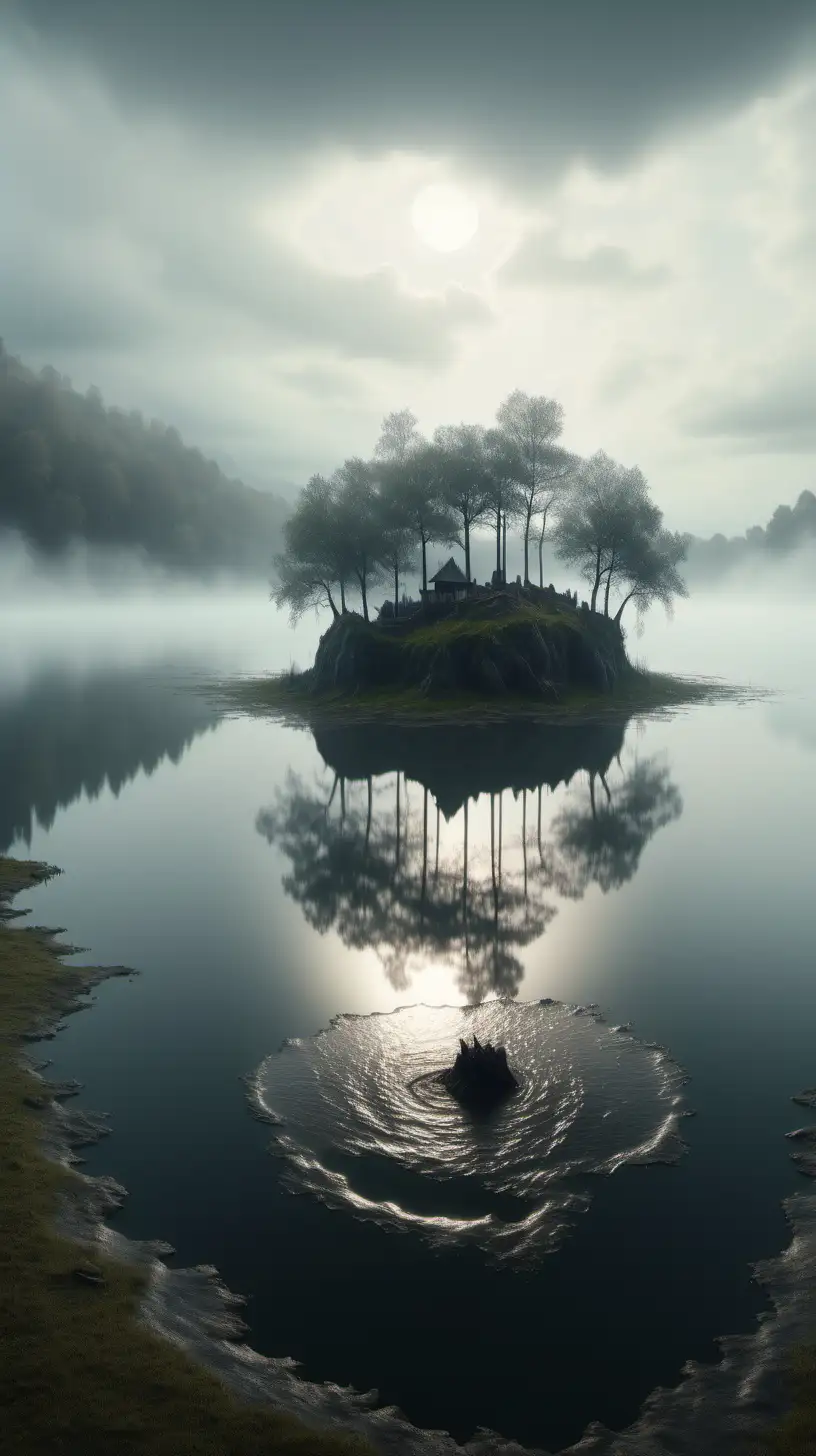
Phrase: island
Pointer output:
(503, 646)
(492, 643)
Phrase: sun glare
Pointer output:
(444, 217)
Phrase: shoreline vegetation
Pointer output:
(80, 1375)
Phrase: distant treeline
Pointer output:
(789, 528)
(73, 469)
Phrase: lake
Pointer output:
(266, 882)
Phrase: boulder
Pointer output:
(480, 1076)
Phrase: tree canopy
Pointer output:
(611, 529)
(365, 524)
(531, 424)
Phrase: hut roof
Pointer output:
(450, 574)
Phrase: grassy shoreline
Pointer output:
(639, 694)
(79, 1374)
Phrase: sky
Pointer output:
(208, 211)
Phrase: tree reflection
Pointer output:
(362, 864)
(602, 843)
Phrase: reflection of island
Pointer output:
(366, 864)
(72, 734)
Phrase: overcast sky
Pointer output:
(207, 212)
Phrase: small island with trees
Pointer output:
(462, 643)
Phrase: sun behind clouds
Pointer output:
(444, 217)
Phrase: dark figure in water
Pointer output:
(480, 1076)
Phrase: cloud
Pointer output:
(769, 413)
(519, 88)
(630, 375)
(539, 261)
(122, 235)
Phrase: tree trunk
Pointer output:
(465, 875)
(524, 838)
(343, 607)
(592, 794)
(541, 550)
(424, 562)
(597, 583)
(424, 848)
(331, 602)
(368, 814)
(619, 612)
(527, 520)
(504, 547)
(396, 590)
(467, 549)
(332, 794)
(608, 585)
(498, 540)
(361, 577)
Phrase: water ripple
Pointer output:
(363, 1123)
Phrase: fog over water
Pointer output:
(661, 870)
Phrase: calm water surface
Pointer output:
(264, 883)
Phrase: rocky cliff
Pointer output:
(491, 647)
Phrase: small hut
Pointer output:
(449, 584)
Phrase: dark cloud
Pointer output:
(99, 250)
(516, 87)
(539, 261)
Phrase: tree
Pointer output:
(359, 524)
(532, 424)
(464, 476)
(504, 474)
(606, 523)
(408, 471)
(317, 555)
(399, 436)
(300, 586)
(649, 569)
(397, 534)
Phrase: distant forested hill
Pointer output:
(789, 528)
(70, 468)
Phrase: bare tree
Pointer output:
(532, 424)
